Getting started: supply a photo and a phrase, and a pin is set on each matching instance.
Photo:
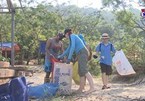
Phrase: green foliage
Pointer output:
(94, 67)
(2, 58)
(45, 21)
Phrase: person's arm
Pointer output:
(62, 48)
(72, 47)
(48, 43)
(65, 52)
(97, 51)
(113, 49)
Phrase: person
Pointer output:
(105, 48)
(54, 47)
(88, 47)
(76, 45)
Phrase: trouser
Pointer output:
(82, 62)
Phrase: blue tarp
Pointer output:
(43, 90)
(6, 44)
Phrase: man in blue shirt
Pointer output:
(105, 48)
(78, 47)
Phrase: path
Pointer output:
(118, 92)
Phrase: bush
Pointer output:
(2, 58)
(94, 67)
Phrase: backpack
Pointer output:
(15, 90)
(101, 45)
(18, 89)
(4, 92)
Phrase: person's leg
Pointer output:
(104, 75)
(83, 60)
(104, 79)
(108, 72)
(82, 68)
(47, 77)
(82, 84)
(91, 83)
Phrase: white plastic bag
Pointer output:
(122, 64)
(62, 75)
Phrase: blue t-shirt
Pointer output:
(76, 44)
(105, 53)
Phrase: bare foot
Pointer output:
(79, 91)
(90, 91)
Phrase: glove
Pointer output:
(95, 56)
(68, 61)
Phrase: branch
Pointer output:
(138, 25)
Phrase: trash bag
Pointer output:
(44, 90)
(75, 75)
(122, 64)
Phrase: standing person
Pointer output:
(76, 45)
(54, 46)
(105, 48)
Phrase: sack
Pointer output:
(44, 90)
(62, 75)
(75, 75)
(122, 64)
(18, 89)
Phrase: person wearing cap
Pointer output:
(54, 47)
(77, 46)
(105, 48)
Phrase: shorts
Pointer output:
(82, 62)
(106, 69)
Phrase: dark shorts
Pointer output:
(106, 69)
(82, 62)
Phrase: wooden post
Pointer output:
(12, 37)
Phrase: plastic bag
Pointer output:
(75, 75)
(122, 64)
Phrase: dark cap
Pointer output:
(67, 30)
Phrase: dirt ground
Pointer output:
(120, 91)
